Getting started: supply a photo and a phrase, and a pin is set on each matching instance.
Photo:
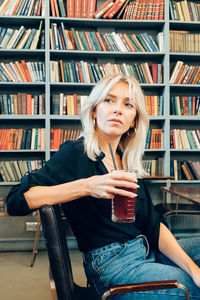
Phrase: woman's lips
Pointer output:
(116, 121)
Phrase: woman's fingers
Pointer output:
(125, 176)
(107, 186)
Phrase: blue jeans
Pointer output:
(131, 262)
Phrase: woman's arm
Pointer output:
(170, 247)
(38, 196)
(100, 186)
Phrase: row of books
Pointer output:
(117, 9)
(85, 72)
(154, 139)
(13, 170)
(73, 8)
(131, 9)
(154, 104)
(182, 170)
(184, 10)
(144, 10)
(22, 71)
(22, 104)
(70, 105)
(22, 7)
(185, 74)
(154, 167)
(74, 39)
(185, 105)
(59, 136)
(21, 139)
(62, 104)
(22, 38)
(185, 139)
(184, 41)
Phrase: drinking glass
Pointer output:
(123, 207)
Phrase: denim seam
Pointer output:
(147, 243)
(100, 278)
(96, 288)
(112, 259)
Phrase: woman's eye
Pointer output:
(129, 104)
(108, 100)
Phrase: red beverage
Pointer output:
(123, 208)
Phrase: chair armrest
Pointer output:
(144, 286)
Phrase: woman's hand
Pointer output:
(108, 185)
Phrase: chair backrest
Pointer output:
(58, 253)
(59, 259)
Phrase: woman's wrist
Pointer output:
(83, 187)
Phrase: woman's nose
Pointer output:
(117, 108)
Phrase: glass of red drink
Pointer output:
(123, 208)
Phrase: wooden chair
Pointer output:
(61, 279)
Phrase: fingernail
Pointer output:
(137, 186)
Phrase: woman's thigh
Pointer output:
(154, 271)
(124, 267)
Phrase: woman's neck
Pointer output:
(104, 142)
(108, 160)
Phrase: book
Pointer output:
(77, 8)
(103, 9)
(6, 38)
(56, 8)
(122, 10)
(84, 9)
(175, 71)
(115, 8)
(70, 8)
(186, 171)
(193, 170)
(19, 36)
(53, 12)
(91, 8)
(35, 41)
(62, 8)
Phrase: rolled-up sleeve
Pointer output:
(16, 202)
(59, 169)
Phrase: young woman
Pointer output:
(79, 177)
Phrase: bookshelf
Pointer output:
(165, 121)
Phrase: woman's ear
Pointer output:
(132, 124)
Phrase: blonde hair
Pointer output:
(132, 142)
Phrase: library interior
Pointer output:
(53, 54)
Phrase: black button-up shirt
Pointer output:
(90, 218)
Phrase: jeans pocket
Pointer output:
(103, 259)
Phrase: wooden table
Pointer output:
(191, 194)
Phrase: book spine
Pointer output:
(91, 9)
(70, 8)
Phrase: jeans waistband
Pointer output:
(96, 251)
